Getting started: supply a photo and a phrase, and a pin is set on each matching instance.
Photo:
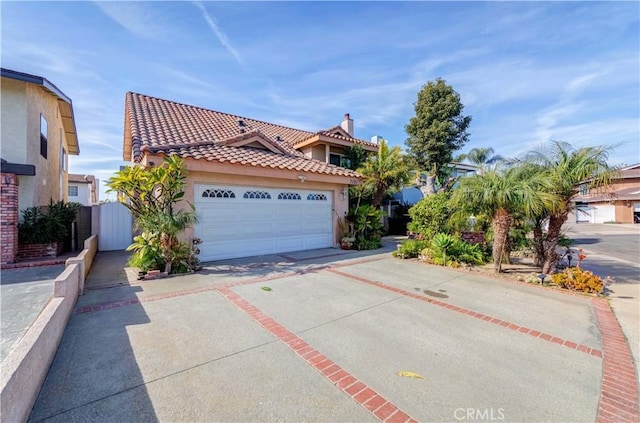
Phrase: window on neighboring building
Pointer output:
(43, 137)
(584, 189)
(73, 191)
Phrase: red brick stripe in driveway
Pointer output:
(375, 403)
(619, 394)
(476, 315)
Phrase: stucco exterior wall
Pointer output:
(13, 130)
(624, 211)
(319, 152)
(23, 103)
(46, 184)
(84, 194)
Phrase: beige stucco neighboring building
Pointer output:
(258, 188)
(37, 134)
(83, 189)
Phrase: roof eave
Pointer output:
(64, 103)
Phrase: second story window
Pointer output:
(334, 159)
(63, 155)
(339, 160)
(44, 147)
(73, 191)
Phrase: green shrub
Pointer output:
(447, 250)
(430, 216)
(368, 227)
(565, 241)
(147, 252)
(367, 244)
(578, 279)
(410, 248)
(54, 225)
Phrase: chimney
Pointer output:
(347, 124)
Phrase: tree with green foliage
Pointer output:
(564, 168)
(437, 130)
(430, 215)
(356, 156)
(384, 172)
(500, 194)
(151, 194)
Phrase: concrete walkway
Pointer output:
(24, 293)
(325, 336)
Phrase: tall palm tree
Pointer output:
(384, 172)
(565, 168)
(500, 194)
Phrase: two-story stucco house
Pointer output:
(621, 204)
(258, 188)
(83, 189)
(37, 135)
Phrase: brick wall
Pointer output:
(473, 237)
(30, 251)
(9, 217)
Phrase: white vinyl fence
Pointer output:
(116, 227)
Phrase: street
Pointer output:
(614, 250)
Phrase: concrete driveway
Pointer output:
(326, 341)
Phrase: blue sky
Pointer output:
(528, 72)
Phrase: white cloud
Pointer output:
(222, 37)
(135, 17)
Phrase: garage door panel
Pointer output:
(289, 244)
(317, 226)
(288, 229)
(317, 241)
(261, 223)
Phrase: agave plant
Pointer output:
(440, 244)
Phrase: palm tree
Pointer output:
(384, 172)
(481, 156)
(565, 168)
(500, 194)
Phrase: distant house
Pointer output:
(83, 189)
(621, 205)
(258, 187)
(37, 134)
(411, 195)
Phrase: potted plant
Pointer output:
(347, 238)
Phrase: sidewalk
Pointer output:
(24, 294)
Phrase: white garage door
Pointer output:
(602, 214)
(242, 221)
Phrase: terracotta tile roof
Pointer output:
(331, 134)
(162, 124)
(251, 157)
(80, 179)
(165, 127)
